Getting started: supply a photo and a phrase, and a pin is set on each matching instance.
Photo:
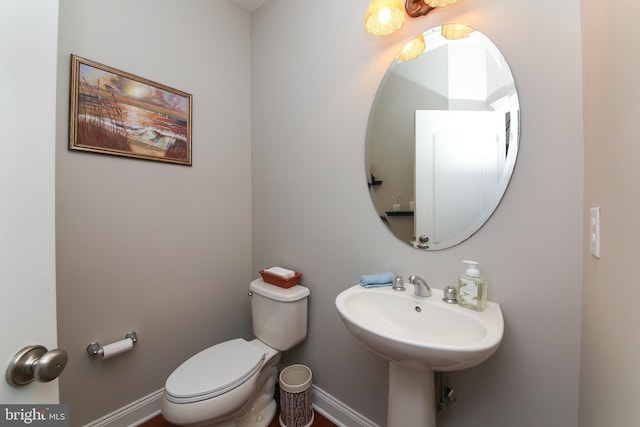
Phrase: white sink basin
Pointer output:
(419, 332)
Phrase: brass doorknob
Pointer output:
(35, 362)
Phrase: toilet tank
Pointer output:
(279, 315)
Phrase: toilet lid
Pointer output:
(214, 371)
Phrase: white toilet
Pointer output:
(233, 383)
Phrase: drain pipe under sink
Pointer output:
(445, 394)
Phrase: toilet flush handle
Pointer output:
(250, 294)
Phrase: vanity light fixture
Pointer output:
(384, 17)
(416, 46)
(456, 31)
(411, 50)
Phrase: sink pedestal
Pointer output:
(411, 400)
(408, 331)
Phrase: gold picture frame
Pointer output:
(117, 113)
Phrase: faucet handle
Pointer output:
(398, 283)
(450, 295)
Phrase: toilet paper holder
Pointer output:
(95, 349)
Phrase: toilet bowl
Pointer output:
(233, 383)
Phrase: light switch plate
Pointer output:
(594, 231)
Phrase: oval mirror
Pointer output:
(442, 138)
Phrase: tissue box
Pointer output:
(280, 281)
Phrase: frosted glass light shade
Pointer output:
(412, 49)
(384, 17)
(456, 31)
(440, 3)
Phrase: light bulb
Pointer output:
(384, 17)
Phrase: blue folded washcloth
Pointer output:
(377, 280)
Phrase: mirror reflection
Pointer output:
(442, 138)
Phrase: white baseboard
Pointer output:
(336, 411)
(133, 414)
(148, 407)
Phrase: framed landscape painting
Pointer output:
(115, 112)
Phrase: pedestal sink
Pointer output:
(418, 336)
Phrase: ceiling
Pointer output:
(249, 5)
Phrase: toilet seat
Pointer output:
(214, 371)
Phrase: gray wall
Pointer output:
(610, 347)
(315, 72)
(292, 192)
(157, 248)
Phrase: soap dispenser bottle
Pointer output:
(472, 288)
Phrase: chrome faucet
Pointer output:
(420, 287)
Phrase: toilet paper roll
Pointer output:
(117, 347)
